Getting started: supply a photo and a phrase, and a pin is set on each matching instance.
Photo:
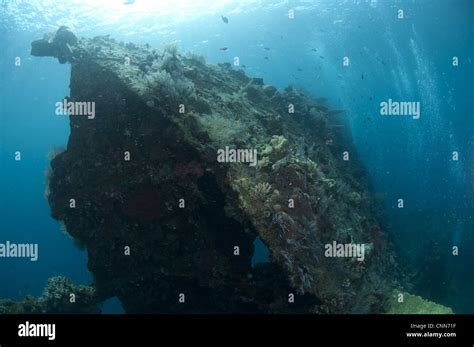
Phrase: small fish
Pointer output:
(314, 50)
(225, 19)
(266, 58)
(300, 69)
(266, 48)
(362, 76)
(329, 142)
(244, 66)
(321, 57)
(223, 48)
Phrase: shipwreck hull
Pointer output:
(160, 216)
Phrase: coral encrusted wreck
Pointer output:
(160, 216)
(60, 296)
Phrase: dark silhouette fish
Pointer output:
(367, 119)
(225, 19)
(223, 48)
(266, 48)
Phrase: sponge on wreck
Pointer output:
(412, 304)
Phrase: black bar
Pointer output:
(120, 330)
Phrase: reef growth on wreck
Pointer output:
(169, 228)
(60, 296)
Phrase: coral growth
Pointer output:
(160, 84)
(224, 130)
(261, 192)
(404, 303)
(60, 296)
(271, 152)
(163, 77)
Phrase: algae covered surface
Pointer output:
(60, 296)
(412, 304)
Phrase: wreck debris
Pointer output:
(60, 296)
(165, 219)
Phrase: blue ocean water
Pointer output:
(406, 59)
